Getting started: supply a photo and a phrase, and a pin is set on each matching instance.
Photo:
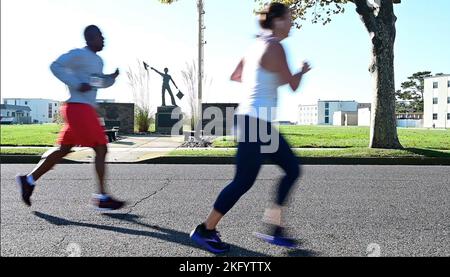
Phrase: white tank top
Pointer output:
(260, 97)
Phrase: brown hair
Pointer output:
(271, 12)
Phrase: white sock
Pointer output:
(101, 196)
(30, 180)
(273, 216)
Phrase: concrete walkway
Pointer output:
(130, 149)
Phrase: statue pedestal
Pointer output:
(164, 121)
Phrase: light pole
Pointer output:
(201, 43)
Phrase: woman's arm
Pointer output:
(275, 60)
(237, 74)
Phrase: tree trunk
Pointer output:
(383, 132)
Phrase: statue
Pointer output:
(166, 87)
(165, 121)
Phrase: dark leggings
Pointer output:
(249, 160)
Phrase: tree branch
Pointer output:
(367, 15)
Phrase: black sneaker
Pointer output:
(276, 235)
(209, 240)
(107, 204)
(26, 189)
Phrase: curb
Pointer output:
(34, 159)
(28, 159)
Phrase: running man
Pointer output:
(78, 69)
(166, 86)
(262, 70)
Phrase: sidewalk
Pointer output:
(132, 149)
(129, 149)
(157, 149)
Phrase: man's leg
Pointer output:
(27, 182)
(100, 158)
(48, 163)
(103, 201)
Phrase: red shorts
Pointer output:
(81, 126)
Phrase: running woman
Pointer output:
(262, 70)
(82, 71)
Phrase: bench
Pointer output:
(112, 134)
(111, 129)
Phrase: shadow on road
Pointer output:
(302, 253)
(128, 143)
(160, 232)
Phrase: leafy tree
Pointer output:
(412, 91)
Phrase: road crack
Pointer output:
(149, 196)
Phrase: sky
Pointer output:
(34, 33)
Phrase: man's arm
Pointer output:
(62, 68)
(111, 79)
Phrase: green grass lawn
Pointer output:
(29, 135)
(23, 151)
(352, 141)
(347, 137)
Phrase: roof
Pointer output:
(337, 101)
(31, 99)
(438, 76)
(14, 107)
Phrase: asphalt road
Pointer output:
(335, 211)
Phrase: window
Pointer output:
(448, 100)
(50, 110)
(435, 116)
(327, 105)
(448, 83)
(435, 100)
(327, 113)
(13, 114)
(7, 114)
(435, 84)
(56, 104)
(26, 102)
(448, 116)
(327, 120)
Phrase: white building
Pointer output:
(437, 101)
(364, 117)
(11, 114)
(326, 110)
(341, 118)
(308, 115)
(364, 114)
(345, 112)
(42, 110)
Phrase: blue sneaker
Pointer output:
(26, 189)
(209, 240)
(276, 236)
(107, 204)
